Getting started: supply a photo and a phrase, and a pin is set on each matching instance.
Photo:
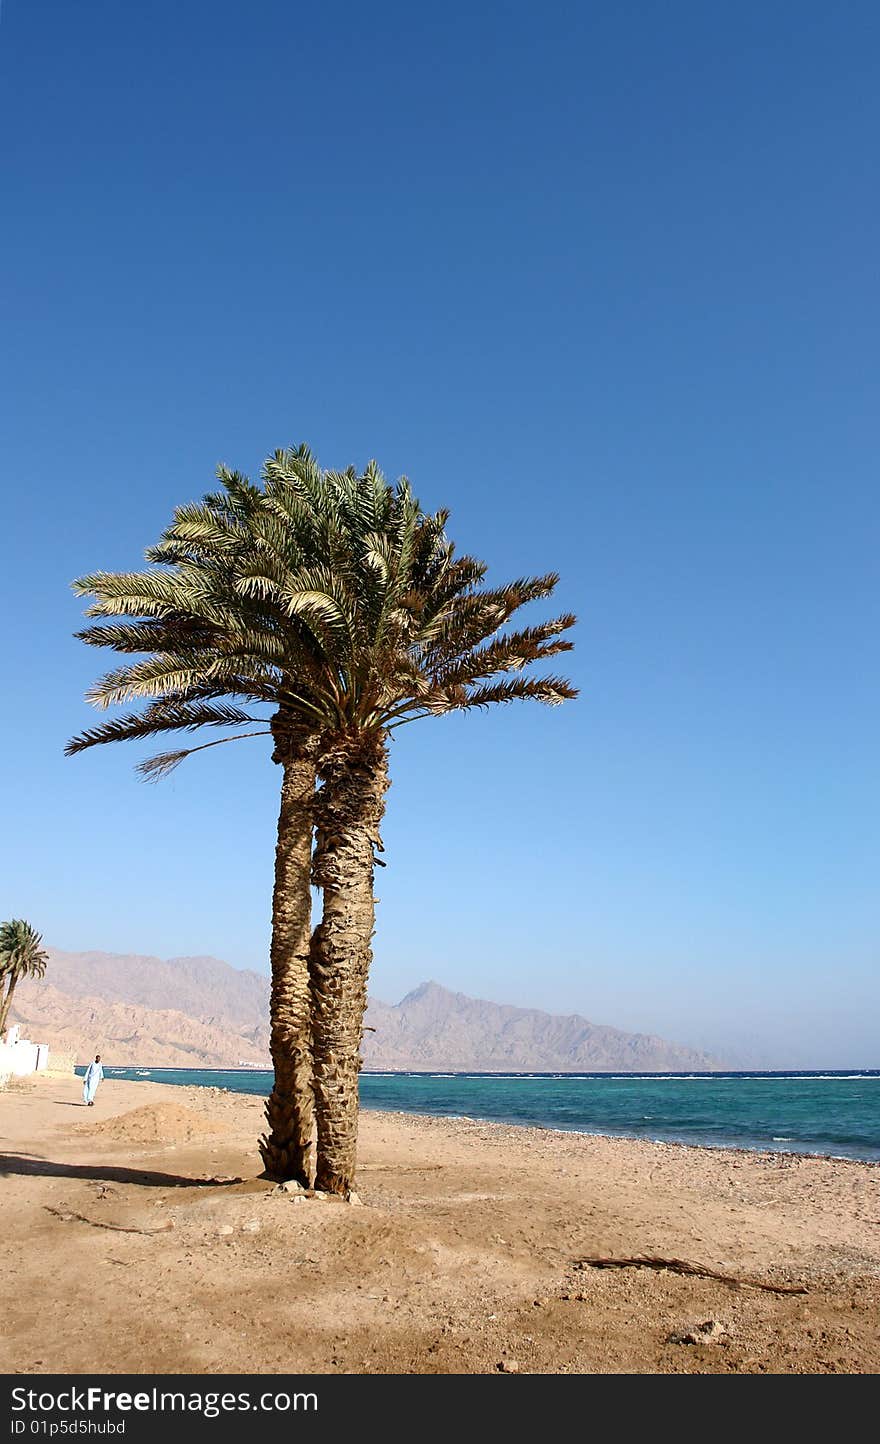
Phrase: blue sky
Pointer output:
(602, 278)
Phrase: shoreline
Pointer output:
(465, 1255)
(758, 1074)
(712, 1148)
(758, 1148)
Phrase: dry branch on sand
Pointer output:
(67, 1215)
(681, 1266)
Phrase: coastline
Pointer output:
(463, 1257)
(711, 1134)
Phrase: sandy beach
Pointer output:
(141, 1239)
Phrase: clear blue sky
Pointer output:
(600, 277)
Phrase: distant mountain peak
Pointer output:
(434, 1028)
(428, 989)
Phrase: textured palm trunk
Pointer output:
(6, 1002)
(350, 807)
(288, 1146)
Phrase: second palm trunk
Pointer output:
(351, 802)
(287, 1147)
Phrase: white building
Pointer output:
(19, 1057)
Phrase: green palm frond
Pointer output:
(549, 690)
(161, 717)
(148, 635)
(161, 673)
(129, 593)
(509, 652)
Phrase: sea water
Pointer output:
(836, 1113)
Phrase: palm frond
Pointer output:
(161, 717)
(164, 763)
(509, 652)
(549, 690)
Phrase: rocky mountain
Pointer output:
(202, 1013)
(200, 987)
(434, 1029)
(178, 1012)
(126, 1033)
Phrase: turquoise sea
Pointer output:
(822, 1113)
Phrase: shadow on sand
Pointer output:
(105, 1173)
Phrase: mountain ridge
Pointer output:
(198, 1011)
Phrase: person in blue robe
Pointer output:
(94, 1074)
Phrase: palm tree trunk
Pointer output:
(350, 808)
(287, 1147)
(4, 1005)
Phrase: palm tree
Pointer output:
(203, 660)
(20, 957)
(207, 650)
(335, 598)
(414, 636)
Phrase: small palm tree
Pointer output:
(20, 957)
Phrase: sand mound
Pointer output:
(157, 1123)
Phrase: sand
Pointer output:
(140, 1238)
(159, 1123)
